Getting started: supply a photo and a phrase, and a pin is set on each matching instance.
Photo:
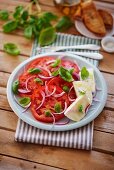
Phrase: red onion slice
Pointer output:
(43, 99)
(62, 111)
(24, 91)
(96, 100)
(63, 123)
(48, 95)
(44, 77)
(27, 107)
(76, 76)
(70, 99)
(53, 118)
(49, 62)
(26, 83)
(45, 70)
(59, 95)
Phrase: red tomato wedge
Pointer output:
(47, 91)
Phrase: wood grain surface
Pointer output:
(22, 156)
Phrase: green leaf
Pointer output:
(47, 113)
(15, 86)
(65, 74)
(80, 108)
(38, 80)
(71, 70)
(10, 26)
(57, 107)
(50, 16)
(47, 36)
(63, 24)
(28, 32)
(55, 73)
(66, 89)
(11, 48)
(82, 92)
(24, 15)
(4, 14)
(84, 73)
(18, 11)
(24, 101)
(34, 70)
(56, 63)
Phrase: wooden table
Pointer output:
(25, 156)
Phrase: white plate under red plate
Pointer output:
(93, 112)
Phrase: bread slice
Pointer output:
(107, 18)
(92, 18)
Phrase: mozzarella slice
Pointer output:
(81, 88)
(76, 111)
(90, 79)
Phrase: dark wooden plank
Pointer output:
(10, 163)
(57, 157)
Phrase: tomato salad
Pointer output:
(46, 87)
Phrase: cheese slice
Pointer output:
(76, 111)
(90, 79)
(83, 87)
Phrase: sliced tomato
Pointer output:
(43, 118)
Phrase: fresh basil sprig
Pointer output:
(11, 48)
(15, 86)
(84, 73)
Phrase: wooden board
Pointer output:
(16, 156)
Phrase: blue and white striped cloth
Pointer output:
(80, 138)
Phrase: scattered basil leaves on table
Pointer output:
(4, 15)
(34, 23)
(11, 49)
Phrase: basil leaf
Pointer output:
(55, 73)
(24, 101)
(71, 70)
(82, 92)
(65, 74)
(34, 70)
(38, 80)
(10, 26)
(4, 14)
(18, 11)
(57, 107)
(56, 63)
(24, 15)
(66, 89)
(47, 113)
(63, 24)
(84, 73)
(50, 16)
(11, 48)
(80, 108)
(47, 36)
(15, 86)
(28, 32)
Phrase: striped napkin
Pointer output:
(80, 138)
